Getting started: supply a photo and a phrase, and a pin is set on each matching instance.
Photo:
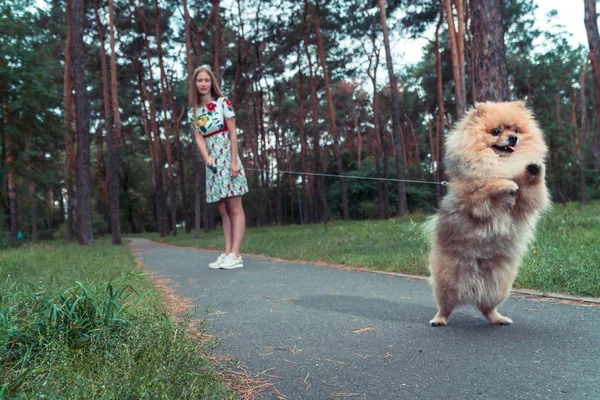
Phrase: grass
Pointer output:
(78, 322)
(565, 256)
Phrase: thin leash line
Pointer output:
(443, 183)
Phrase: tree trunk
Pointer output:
(491, 75)
(591, 27)
(359, 136)
(112, 169)
(278, 163)
(402, 203)
(456, 48)
(307, 203)
(376, 127)
(84, 202)
(162, 211)
(417, 156)
(460, 39)
(69, 122)
(12, 187)
(439, 126)
(582, 135)
(165, 105)
(190, 84)
(321, 196)
(217, 47)
(100, 186)
(314, 11)
(470, 57)
(114, 136)
(197, 200)
(32, 194)
(386, 173)
(265, 161)
(149, 124)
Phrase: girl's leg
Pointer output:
(238, 222)
(226, 221)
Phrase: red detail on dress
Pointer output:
(211, 107)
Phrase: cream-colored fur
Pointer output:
(488, 217)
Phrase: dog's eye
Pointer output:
(515, 130)
(496, 132)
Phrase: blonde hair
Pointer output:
(215, 91)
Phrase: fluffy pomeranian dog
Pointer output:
(495, 161)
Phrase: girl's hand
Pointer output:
(234, 170)
(209, 161)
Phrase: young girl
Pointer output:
(213, 121)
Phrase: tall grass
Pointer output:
(79, 322)
(565, 256)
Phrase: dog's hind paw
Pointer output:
(501, 320)
(438, 322)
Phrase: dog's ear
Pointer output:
(520, 104)
(480, 108)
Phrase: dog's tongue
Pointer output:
(513, 148)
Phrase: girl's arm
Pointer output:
(234, 170)
(202, 147)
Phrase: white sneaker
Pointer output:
(217, 264)
(232, 261)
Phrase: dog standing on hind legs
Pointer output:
(495, 161)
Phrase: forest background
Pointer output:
(94, 138)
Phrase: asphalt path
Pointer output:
(329, 333)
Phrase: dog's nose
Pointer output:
(512, 140)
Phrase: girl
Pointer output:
(213, 122)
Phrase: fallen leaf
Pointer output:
(362, 330)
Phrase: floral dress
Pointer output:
(212, 123)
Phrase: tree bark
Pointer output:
(69, 122)
(164, 106)
(439, 126)
(217, 47)
(150, 128)
(321, 198)
(190, 85)
(10, 174)
(113, 163)
(198, 200)
(487, 28)
(84, 202)
(582, 135)
(161, 206)
(402, 203)
(376, 128)
(456, 49)
(307, 208)
(114, 136)
(32, 194)
(100, 186)
(331, 108)
(591, 27)
(469, 51)
(278, 163)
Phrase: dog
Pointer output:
(495, 161)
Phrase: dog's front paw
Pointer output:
(512, 187)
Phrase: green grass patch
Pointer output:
(565, 256)
(80, 322)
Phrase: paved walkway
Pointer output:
(328, 333)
